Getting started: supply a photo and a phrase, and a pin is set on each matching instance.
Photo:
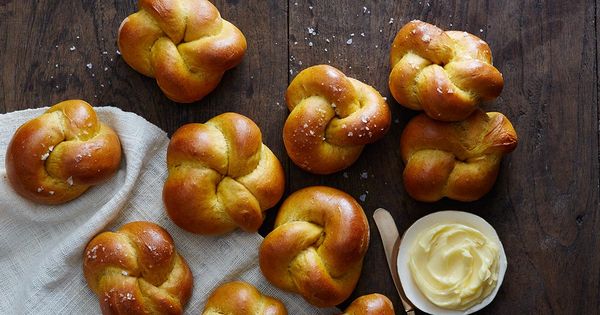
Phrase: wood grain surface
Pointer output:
(545, 203)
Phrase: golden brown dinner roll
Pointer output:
(221, 176)
(332, 118)
(184, 44)
(57, 156)
(136, 270)
(458, 160)
(317, 246)
(241, 298)
(446, 74)
(371, 304)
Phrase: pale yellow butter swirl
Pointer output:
(454, 266)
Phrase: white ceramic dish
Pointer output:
(410, 236)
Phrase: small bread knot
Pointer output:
(57, 156)
(458, 160)
(444, 73)
(136, 270)
(241, 298)
(221, 176)
(332, 117)
(317, 247)
(184, 44)
(371, 304)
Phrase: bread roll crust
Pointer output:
(458, 160)
(370, 304)
(184, 44)
(136, 270)
(241, 298)
(317, 247)
(221, 176)
(444, 73)
(332, 117)
(56, 157)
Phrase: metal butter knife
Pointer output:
(391, 242)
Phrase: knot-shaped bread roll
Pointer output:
(446, 74)
(371, 304)
(317, 246)
(458, 160)
(332, 118)
(184, 44)
(241, 298)
(221, 176)
(57, 156)
(136, 270)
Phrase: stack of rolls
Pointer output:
(454, 149)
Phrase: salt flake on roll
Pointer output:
(451, 262)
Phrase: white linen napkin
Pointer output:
(41, 247)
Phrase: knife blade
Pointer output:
(391, 243)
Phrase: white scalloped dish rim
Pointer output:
(412, 291)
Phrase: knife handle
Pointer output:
(391, 241)
(388, 231)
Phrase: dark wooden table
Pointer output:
(546, 200)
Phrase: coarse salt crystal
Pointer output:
(349, 41)
(70, 180)
(89, 65)
(40, 189)
(350, 134)
(426, 38)
(72, 48)
(45, 156)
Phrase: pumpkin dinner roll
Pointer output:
(184, 44)
(332, 117)
(221, 176)
(241, 298)
(371, 304)
(444, 73)
(136, 270)
(458, 160)
(317, 246)
(56, 157)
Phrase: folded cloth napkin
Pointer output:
(41, 247)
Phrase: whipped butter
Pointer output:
(454, 266)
